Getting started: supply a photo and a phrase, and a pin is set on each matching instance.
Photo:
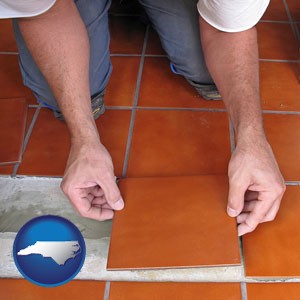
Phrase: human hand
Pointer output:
(89, 182)
(256, 185)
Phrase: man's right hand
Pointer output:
(89, 182)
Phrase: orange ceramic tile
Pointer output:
(277, 41)
(153, 44)
(294, 8)
(273, 291)
(7, 40)
(48, 148)
(273, 249)
(121, 87)
(280, 89)
(16, 289)
(160, 87)
(173, 222)
(171, 143)
(175, 291)
(6, 169)
(11, 84)
(127, 35)
(276, 11)
(113, 127)
(283, 132)
(12, 128)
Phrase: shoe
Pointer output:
(208, 91)
(98, 108)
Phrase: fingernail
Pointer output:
(231, 212)
(119, 204)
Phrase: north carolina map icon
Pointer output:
(60, 251)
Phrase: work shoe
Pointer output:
(208, 91)
(98, 108)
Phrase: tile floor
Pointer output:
(143, 91)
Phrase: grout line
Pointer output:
(244, 291)
(137, 55)
(292, 23)
(33, 105)
(118, 107)
(28, 134)
(9, 53)
(280, 60)
(232, 137)
(274, 21)
(241, 246)
(182, 109)
(281, 112)
(107, 290)
(135, 103)
(296, 183)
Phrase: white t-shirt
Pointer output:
(225, 15)
(232, 15)
(23, 8)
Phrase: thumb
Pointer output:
(112, 193)
(235, 199)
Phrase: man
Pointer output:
(64, 59)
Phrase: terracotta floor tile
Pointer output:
(6, 169)
(280, 88)
(113, 127)
(273, 291)
(127, 35)
(273, 249)
(283, 132)
(48, 148)
(294, 8)
(12, 128)
(11, 85)
(121, 88)
(16, 289)
(175, 90)
(7, 39)
(176, 291)
(171, 143)
(153, 44)
(173, 222)
(276, 11)
(276, 41)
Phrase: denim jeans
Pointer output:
(176, 22)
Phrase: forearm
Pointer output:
(232, 59)
(59, 44)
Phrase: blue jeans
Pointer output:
(176, 22)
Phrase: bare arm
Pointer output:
(256, 185)
(59, 44)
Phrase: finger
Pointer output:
(100, 214)
(251, 195)
(270, 216)
(242, 217)
(111, 192)
(97, 191)
(249, 206)
(236, 198)
(99, 201)
(244, 228)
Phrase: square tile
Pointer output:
(276, 11)
(12, 128)
(175, 90)
(176, 291)
(7, 39)
(121, 87)
(126, 35)
(276, 41)
(173, 222)
(16, 289)
(280, 89)
(171, 143)
(283, 132)
(11, 84)
(153, 44)
(273, 291)
(273, 249)
(48, 148)
(6, 169)
(294, 8)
